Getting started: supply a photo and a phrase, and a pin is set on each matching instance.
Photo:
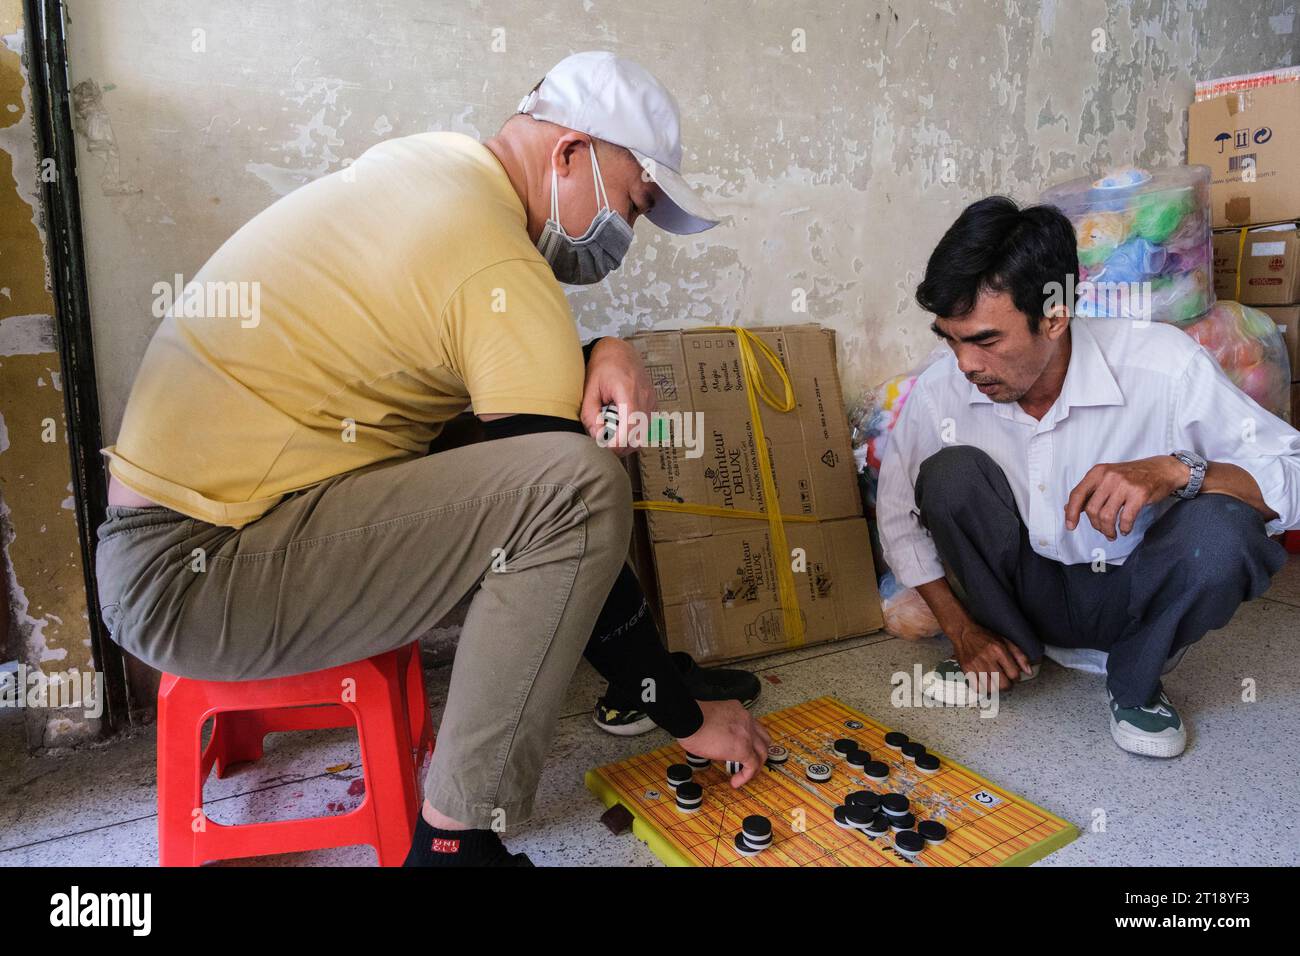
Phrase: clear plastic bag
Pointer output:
(1250, 349)
(906, 613)
(872, 418)
(1144, 242)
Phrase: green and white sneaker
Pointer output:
(1155, 730)
(947, 683)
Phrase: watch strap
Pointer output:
(1196, 465)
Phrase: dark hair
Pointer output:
(996, 246)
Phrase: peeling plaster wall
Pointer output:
(838, 165)
(839, 138)
(40, 569)
(829, 163)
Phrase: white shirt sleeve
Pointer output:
(1218, 421)
(909, 549)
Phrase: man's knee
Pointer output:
(1213, 534)
(946, 476)
(602, 484)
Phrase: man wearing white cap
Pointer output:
(272, 509)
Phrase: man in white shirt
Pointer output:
(1088, 483)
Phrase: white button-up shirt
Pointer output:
(1132, 390)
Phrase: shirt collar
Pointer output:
(1088, 379)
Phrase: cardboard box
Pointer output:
(1270, 267)
(714, 578)
(1288, 318)
(719, 595)
(1225, 245)
(1208, 89)
(1251, 141)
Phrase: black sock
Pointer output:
(432, 846)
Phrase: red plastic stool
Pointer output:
(1291, 541)
(382, 696)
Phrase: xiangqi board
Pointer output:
(699, 820)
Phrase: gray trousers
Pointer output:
(1192, 570)
(536, 527)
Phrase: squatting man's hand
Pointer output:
(730, 733)
(616, 376)
(980, 651)
(1119, 491)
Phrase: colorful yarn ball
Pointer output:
(1099, 235)
(1135, 261)
(1159, 215)
(1189, 237)
(1181, 298)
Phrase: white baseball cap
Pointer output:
(616, 100)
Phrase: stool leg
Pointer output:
(180, 781)
(385, 739)
(237, 737)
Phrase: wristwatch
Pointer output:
(1197, 464)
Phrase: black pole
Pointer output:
(47, 64)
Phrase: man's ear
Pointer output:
(567, 150)
(1057, 320)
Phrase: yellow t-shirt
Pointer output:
(368, 308)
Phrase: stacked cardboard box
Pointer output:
(1250, 139)
(1247, 130)
(714, 580)
(1260, 268)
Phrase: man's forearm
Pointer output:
(947, 609)
(1225, 478)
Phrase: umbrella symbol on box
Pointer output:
(1221, 138)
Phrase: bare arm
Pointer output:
(948, 611)
(1225, 478)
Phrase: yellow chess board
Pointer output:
(987, 825)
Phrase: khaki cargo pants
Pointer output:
(536, 526)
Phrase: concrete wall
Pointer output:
(839, 138)
(40, 567)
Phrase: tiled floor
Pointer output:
(1232, 798)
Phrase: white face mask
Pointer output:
(598, 252)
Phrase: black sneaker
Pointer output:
(618, 712)
(620, 720)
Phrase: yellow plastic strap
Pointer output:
(1241, 263)
(756, 387)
